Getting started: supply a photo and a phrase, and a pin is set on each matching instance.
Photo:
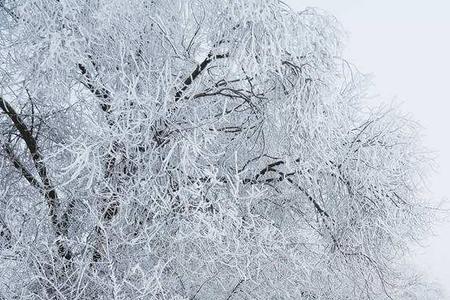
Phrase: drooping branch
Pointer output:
(281, 176)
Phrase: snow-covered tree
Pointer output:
(196, 149)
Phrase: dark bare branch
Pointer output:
(198, 70)
(46, 188)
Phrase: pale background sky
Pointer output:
(405, 44)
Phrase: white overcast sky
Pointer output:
(405, 44)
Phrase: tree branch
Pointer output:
(46, 187)
(38, 160)
(101, 93)
(22, 169)
(198, 70)
(111, 205)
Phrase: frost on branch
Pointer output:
(196, 150)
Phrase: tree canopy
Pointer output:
(197, 149)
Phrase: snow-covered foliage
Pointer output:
(196, 149)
